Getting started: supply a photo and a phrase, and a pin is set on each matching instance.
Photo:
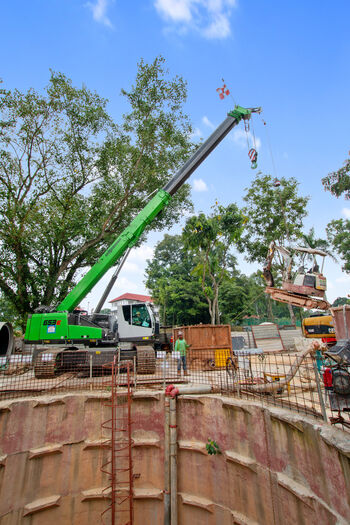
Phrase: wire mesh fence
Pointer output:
(295, 380)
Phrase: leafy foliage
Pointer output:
(209, 239)
(172, 286)
(338, 182)
(340, 301)
(311, 241)
(275, 214)
(212, 447)
(71, 179)
(175, 286)
(338, 233)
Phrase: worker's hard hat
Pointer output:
(180, 333)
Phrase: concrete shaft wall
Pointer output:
(275, 468)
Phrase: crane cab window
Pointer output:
(140, 315)
(126, 313)
(309, 280)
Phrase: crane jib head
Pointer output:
(240, 113)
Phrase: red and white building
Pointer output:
(130, 298)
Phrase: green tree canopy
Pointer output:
(340, 301)
(274, 214)
(172, 286)
(71, 179)
(309, 240)
(338, 231)
(209, 238)
(338, 182)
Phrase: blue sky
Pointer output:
(291, 58)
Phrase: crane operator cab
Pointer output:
(137, 322)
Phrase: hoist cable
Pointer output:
(270, 149)
(223, 80)
(275, 174)
(244, 309)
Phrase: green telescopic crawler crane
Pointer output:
(63, 326)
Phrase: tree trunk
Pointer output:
(212, 314)
(269, 308)
(291, 313)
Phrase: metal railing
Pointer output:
(292, 380)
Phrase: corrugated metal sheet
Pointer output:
(289, 337)
(268, 337)
(341, 320)
(206, 336)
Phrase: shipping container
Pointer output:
(211, 345)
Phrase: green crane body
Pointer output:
(54, 327)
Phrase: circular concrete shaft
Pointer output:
(275, 466)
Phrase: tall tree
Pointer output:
(340, 301)
(275, 213)
(172, 286)
(210, 239)
(338, 231)
(311, 241)
(71, 179)
(338, 182)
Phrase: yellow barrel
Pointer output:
(221, 357)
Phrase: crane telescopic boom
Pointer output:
(133, 232)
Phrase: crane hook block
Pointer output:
(253, 155)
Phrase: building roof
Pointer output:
(133, 297)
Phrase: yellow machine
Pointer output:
(319, 327)
(306, 289)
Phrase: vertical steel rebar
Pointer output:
(166, 462)
(319, 391)
(135, 373)
(131, 478)
(119, 442)
(164, 371)
(173, 462)
(113, 425)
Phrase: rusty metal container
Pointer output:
(341, 321)
(210, 344)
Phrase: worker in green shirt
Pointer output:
(181, 346)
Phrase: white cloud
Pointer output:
(239, 137)
(209, 18)
(346, 212)
(99, 12)
(345, 278)
(141, 253)
(199, 185)
(131, 267)
(219, 27)
(176, 10)
(196, 134)
(207, 122)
